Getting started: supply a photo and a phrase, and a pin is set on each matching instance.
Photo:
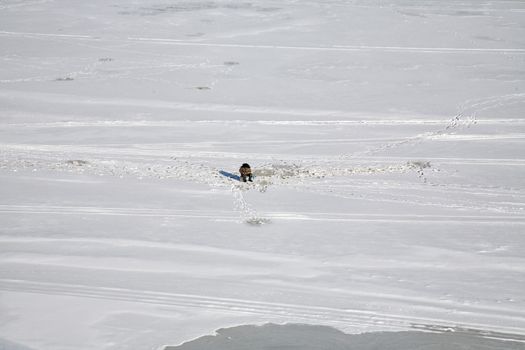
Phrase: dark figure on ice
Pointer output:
(246, 173)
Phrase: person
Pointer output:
(246, 173)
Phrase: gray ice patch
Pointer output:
(307, 337)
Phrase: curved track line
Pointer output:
(312, 313)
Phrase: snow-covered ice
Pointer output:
(387, 139)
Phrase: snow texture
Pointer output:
(386, 138)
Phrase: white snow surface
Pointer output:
(387, 138)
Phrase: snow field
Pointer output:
(386, 139)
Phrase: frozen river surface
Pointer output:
(387, 139)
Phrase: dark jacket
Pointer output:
(245, 170)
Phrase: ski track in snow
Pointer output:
(342, 318)
(466, 115)
(227, 215)
(242, 122)
(336, 48)
(306, 312)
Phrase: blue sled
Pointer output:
(230, 175)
